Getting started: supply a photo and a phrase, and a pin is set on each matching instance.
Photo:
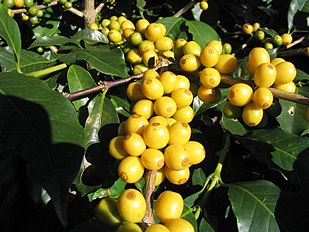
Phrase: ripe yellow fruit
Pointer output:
(157, 228)
(286, 72)
(192, 47)
(240, 94)
(164, 44)
(150, 58)
(165, 106)
(276, 60)
(143, 107)
(130, 169)
(196, 151)
(145, 46)
(204, 5)
(265, 75)
(176, 157)
(131, 205)
(209, 56)
(151, 73)
(182, 82)
(180, 133)
(288, 87)
(19, 3)
(115, 148)
(210, 77)
(263, 97)
(156, 135)
(182, 97)
(136, 124)
(127, 24)
(227, 64)
(159, 119)
(127, 32)
(169, 205)
(132, 227)
(178, 47)
(252, 114)
(154, 31)
(208, 95)
(217, 45)
(141, 25)
(106, 212)
(184, 114)
(139, 68)
(159, 178)
(114, 36)
(257, 56)
(286, 39)
(189, 62)
(177, 177)
(247, 28)
(152, 88)
(134, 56)
(179, 225)
(134, 144)
(168, 79)
(152, 159)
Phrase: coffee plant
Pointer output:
(151, 116)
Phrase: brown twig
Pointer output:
(184, 9)
(296, 42)
(150, 186)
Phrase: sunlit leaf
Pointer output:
(49, 28)
(173, 26)
(252, 202)
(46, 41)
(90, 36)
(295, 6)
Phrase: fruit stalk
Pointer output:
(150, 186)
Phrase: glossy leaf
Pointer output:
(295, 6)
(173, 26)
(189, 216)
(205, 227)
(44, 128)
(253, 202)
(46, 41)
(79, 79)
(9, 30)
(198, 177)
(121, 105)
(287, 147)
(50, 28)
(103, 59)
(201, 32)
(90, 36)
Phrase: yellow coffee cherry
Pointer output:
(145, 46)
(263, 97)
(169, 55)
(286, 39)
(121, 18)
(216, 44)
(164, 44)
(139, 68)
(114, 36)
(208, 95)
(240, 94)
(178, 47)
(276, 60)
(210, 77)
(180, 133)
(159, 119)
(130, 169)
(209, 56)
(152, 88)
(196, 151)
(115, 148)
(127, 32)
(179, 225)
(94, 26)
(189, 62)
(107, 213)
(265, 75)
(204, 5)
(256, 26)
(131, 205)
(134, 144)
(252, 114)
(257, 56)
(227, 64)
(151, 73)
(287, 87)
(141, 25)
(286, 72)
(192, 47)
(150, 58)
(143, 107)
(114, 25)
(157, 228)
(154, 31)
(168, 79)
(156, 135)
(247, 28)
(177, 177)
(127, 24)
(169, 205)
(121, 130)
(171, 121)
(134, 56)
(182, 82)
(152, 159)
(165, 106)
(134, 91)
(184, 114)
(182, 97)
(176, 157)
(136, 124)
(125, 227)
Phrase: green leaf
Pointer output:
(205, 227)
(79, 79)
(254, 204)
(117, 188)
(295, 6)
(46, 41)
(50, 28)
(121, 105)
(287, 147)
(9, 30)
(201, 32)
(101, 113)
(43, 128)
(173, 26)
(29, 62)
(103, 59)
(198, 177)
(90, 36)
